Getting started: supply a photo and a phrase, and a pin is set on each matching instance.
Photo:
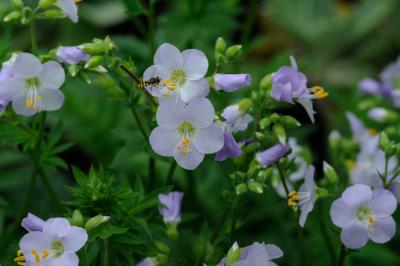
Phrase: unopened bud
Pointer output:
(233, 52)
(289, 121)
(77, 218)
(241, 188)
(255, 187)
(266, 82)
(17, 4)
(330, 173)
(233, 254)
(94, 61)
(96, 221)
(12, 16)
(53, 14)
(220, 45)
(46, 3)
(279, 131)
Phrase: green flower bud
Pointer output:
(53, 14)
(289, 121)
(17, 4)
(94, 61)
(220, 45)
(172, 232)
(279, 131)
(275, 118)
(244, 105)
(241, 188)
(46, 3)
(77, 218)
(26, 15)
(96, 221)
(94, 48)
(322, 193)
(384, 141)
(255, 187)
(73, 70)
(266, 82)
(265, 122)
(233, 254)
(162, 247)
(233, 52)
(12, 16)
(330, 173)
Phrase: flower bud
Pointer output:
(384, 142)
(171, 231)
(73, 70)
(289, 121)
(265, 122)
(12, 16)
(94, 48)
(241, 188)
(77, 218)
(26, 15)
(330, 173)
(53, 14)
(162, 247)
(17, 4)
(244, 105)
(94, 61)
(220, 45)
(46, 3)
(96, 221)
(233, 254)
(266, 82)
(279, 131)
(233, 52)
(255, 187)
(378, 114)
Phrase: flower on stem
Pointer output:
(32, 223)
(231, 82)
(69, 8)
(34, 87)
(72, 54)
(289, 85)
(55, 245)
(181, 74)
(256, 254)
(230, 149)
(5, 73)
(186, 133)
(170, 207)
(272, 154)
(306, 197)
(364, 214)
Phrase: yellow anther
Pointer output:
(371, 219)
(351, 164)
(184, 152)
(19, 253)
(39, 98)
(77, 1)
(45, 254)
(293, 198)
(319, 92)
(20, 259)
(36, 254)
(166, 94)
(179, 147)
(372, 131)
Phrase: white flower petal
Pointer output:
(164, 141)
(34, 240)
(383, 202)
(69, 8)
(188, 161)
(53, 75)
(56, 228)
(170, 115)
(383, 230)
(67, 259)
(308, 105)
(168, 56)
(201, 112)
(195, 64)
(194, 89)
(51, 99)
(19, 106)
(27, 66)
(341, 213)
(354, 235)
(75, 239)
(209, 139)
(10, 88)
(152, 72)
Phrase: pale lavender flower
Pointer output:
(56, 245)
(257, 254)
(34, 87)
(170, 207)
(391, 75)
(231, 82)
(186, 133)
(181, 74)
(147, 262)
(364, 214)
(370, 86)
(307, 193)
(72, 54)
(272, 154)
(69, 8)
(230, 149)
(289, 85)
(5, 73)
(32, 223)
(235, 118)
(378, 114)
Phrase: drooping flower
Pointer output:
(231, 82)
(69, 8)
(289, 85)
(364, 214)
(32, 223)
(186, 133)
(181, 74)
(257, 254)
(56, 245)
(272, 154)
(306, 196)
(373, 87)
(378, 114)
(230, 149)
(5, 73)
(170, 207)
(147, 262)
(72, 54)
(297, 158)
(34, 87)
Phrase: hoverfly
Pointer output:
(155, 81)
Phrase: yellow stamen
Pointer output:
(45, 254)
(293, 198)
(19, 253)
(36, 254)
(372, 131)
(166, 94)
(371, 219)
(319, 92)
(19, 259)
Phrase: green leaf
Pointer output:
(134, 7)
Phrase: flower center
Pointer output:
(32, 82)
(176, 80)
(33, 98)
(298, 198)
(186, 130)
(58, 248)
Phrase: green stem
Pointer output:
(150, 21)
(33, 37)
(327, 239)
(140, 124)
(220, 224)
(52, 194)
(342, 255)
(170, 174)
(283, 179)
(234, 218)
(151, 171)
(106, 255)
